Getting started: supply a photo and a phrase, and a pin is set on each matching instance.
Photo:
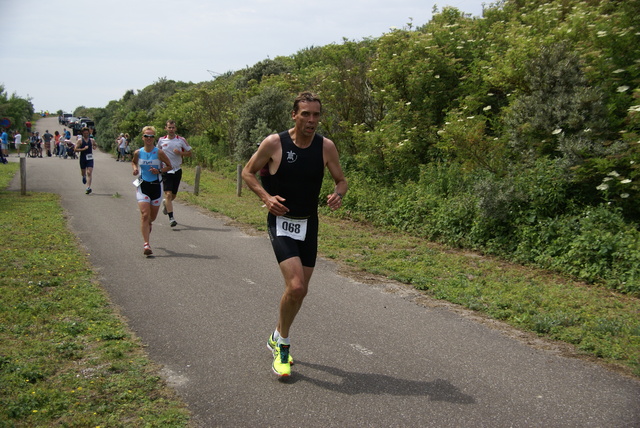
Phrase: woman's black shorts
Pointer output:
(152, 189)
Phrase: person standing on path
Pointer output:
(17, 141)
(127, 149)
(46, 137)
(149, 161)
(121, 144)
(175, 147)
(4, 143)
(58, 143)
(37, 143)
(85, 146)
(296, 160)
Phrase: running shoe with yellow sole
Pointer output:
(281, 365)
(273, 344)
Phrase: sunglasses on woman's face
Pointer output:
(149, 136)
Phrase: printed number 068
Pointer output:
(291, 227)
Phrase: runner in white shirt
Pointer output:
(176, 147)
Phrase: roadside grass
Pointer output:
(595, 321)
(66, 357)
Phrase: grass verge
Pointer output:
(597, 322)
(66, 358)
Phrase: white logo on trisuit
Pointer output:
(292, 156)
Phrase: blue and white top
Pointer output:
(146, 161)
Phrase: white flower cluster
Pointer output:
(611, 176)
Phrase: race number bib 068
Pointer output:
(291, 227)
(89, 156)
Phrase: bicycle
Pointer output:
(33, 151)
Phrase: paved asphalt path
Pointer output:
(366, 354)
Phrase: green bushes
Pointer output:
(205, 153)
(526, 218)
(18, 110)
(594, 245)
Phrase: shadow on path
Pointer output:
(173, 254)
(186, 228)
(353, 383)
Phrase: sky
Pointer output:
(63, 55)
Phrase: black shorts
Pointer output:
(285, 247)
(152, 189)
(84, 163)
(171, 182)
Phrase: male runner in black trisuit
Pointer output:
(296, 160)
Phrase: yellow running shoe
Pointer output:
(281, 365)
(272, 344)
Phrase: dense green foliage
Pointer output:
(515, 134)
(17, 109)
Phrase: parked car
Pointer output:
(77, 127)
(63, 118)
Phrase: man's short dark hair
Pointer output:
(305, 97)
(85, 129)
